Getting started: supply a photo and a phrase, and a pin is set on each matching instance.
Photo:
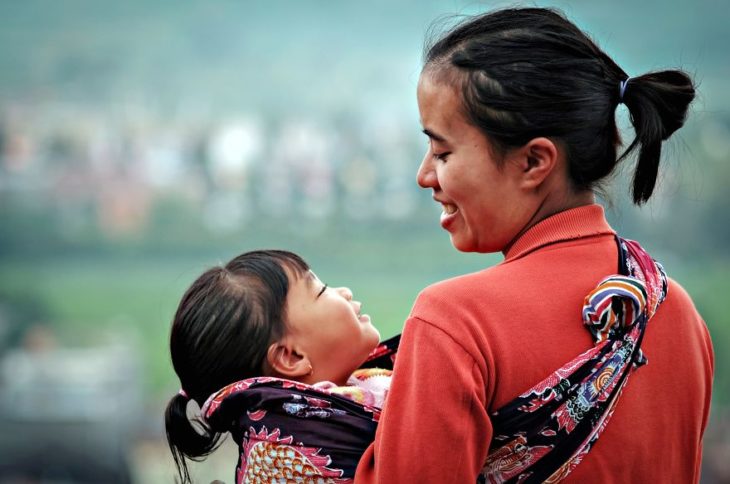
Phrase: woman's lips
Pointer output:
(364, 318)
(448, 214)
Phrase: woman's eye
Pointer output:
(441, 156)
(324, 288)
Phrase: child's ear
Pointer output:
(285, 361)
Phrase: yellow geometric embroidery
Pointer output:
(269, 463)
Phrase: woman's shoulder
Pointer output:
(460, 286)
(498, 278)
(464, 310)
(680, 309)
(677, 293)
(466, 297)
(679, 303)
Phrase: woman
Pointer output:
(499, 376)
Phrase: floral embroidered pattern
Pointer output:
(268, 458)
(293, 432)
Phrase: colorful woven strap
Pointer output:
(543, 434)
(613, 306)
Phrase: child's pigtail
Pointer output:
(185, 439)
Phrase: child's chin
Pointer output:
(376, 338)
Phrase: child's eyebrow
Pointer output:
(310, 278)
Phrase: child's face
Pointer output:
(328, 327)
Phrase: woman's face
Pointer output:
(484, 208)
(328, 327)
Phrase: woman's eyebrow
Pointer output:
(434, 136)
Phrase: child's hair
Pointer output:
(220, 334)
(529, 72)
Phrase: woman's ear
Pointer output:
(285, 361)
(537, 159)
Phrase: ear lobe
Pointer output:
(287, 362)
(540, 158)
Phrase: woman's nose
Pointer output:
(426, 175)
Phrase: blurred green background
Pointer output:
(142, 142)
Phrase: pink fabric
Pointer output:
(367, 386)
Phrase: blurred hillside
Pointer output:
(311, 58)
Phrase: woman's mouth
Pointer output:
(449, 208)
(448, 214)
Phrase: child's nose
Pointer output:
(357, 305)
(344, 292)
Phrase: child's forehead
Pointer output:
(307, 276)
(311, 277)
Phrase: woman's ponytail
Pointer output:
(184, 439)
(657, 103)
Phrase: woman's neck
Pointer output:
(553, 204)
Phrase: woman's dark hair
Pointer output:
(530, 72)
(220, 334)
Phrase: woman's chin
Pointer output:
(468, 244)
(462, 245)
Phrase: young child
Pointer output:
(270, 355)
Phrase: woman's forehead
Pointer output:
(440, 107)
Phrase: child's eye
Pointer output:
(324, 288)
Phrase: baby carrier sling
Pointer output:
(544, 433)
(293, 432)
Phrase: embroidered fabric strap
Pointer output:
(543, 434)
(293, 432)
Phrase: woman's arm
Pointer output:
(434, 427)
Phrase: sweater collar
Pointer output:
(574, 223)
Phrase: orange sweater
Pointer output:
(475, 342)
